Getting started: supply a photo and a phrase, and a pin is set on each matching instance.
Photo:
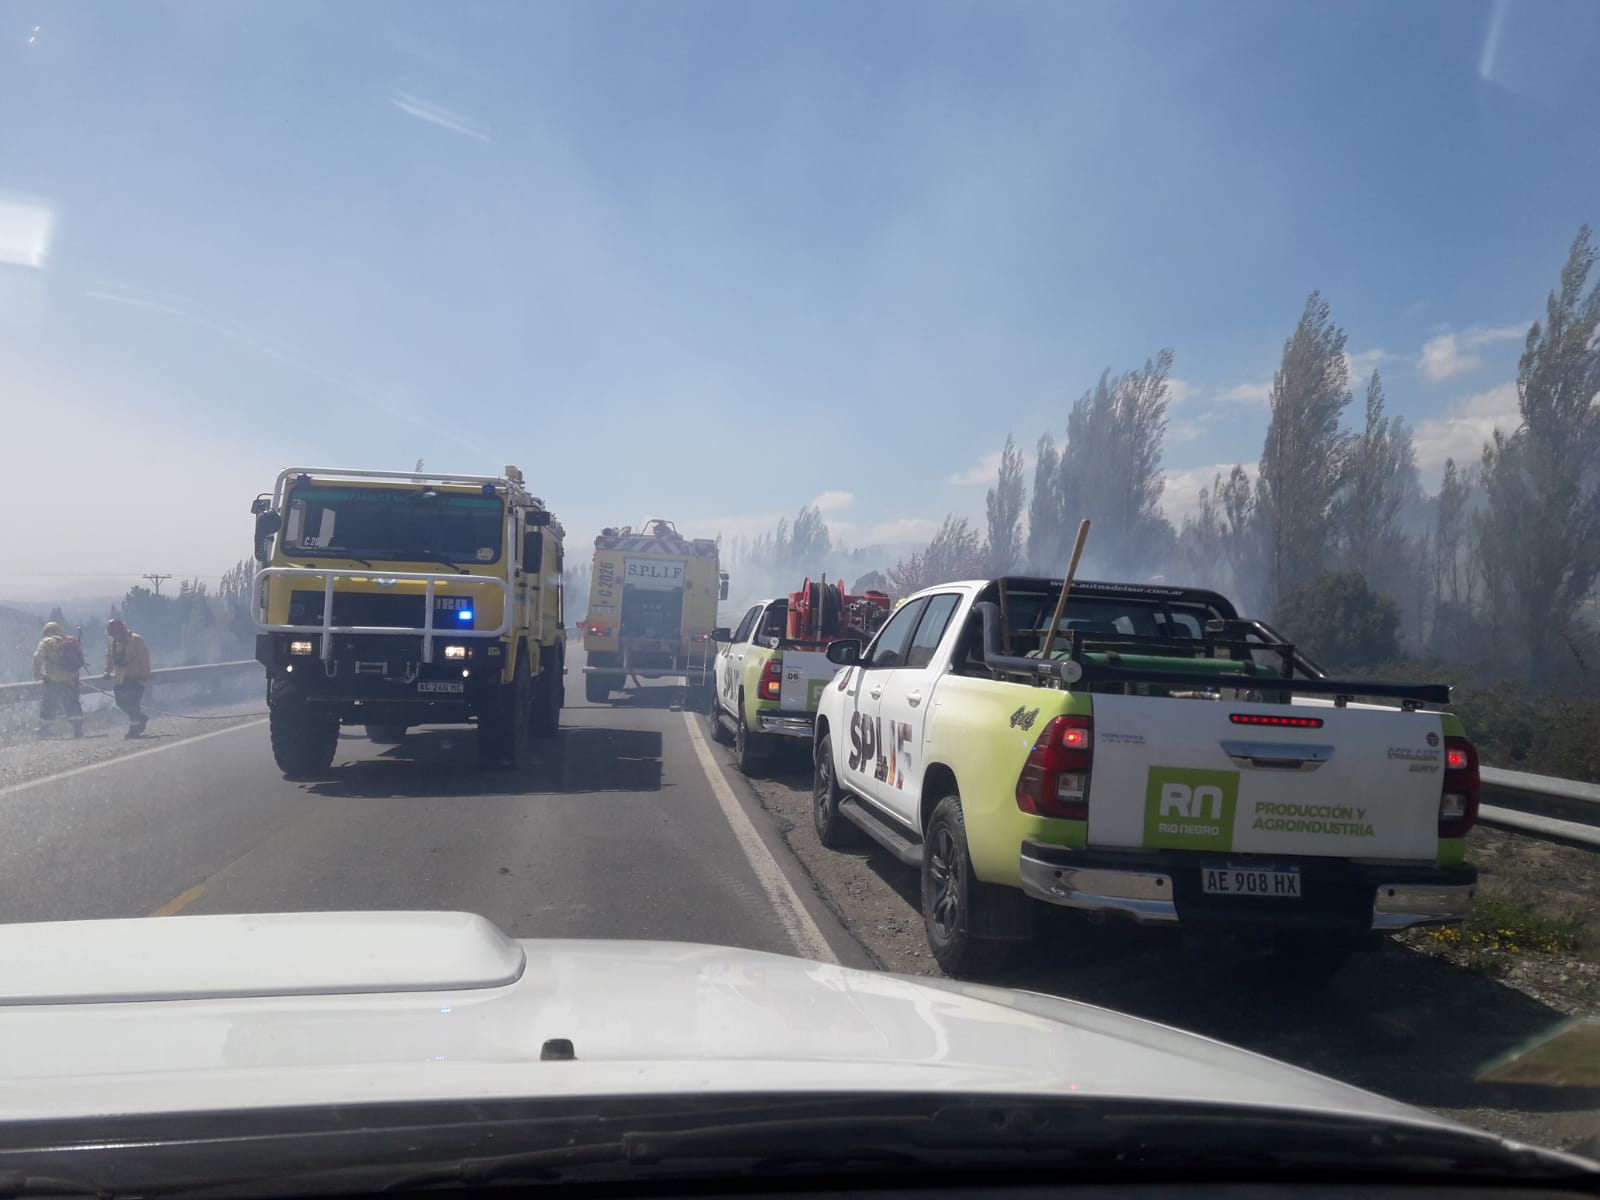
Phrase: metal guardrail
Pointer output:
(16, 693)
(1541, 806)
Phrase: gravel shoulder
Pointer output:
(1414, 1020)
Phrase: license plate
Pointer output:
(439, 685)
(1271, 882)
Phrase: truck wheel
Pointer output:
(503, 726)
(549, 693)
(303, 740)
(719, 730)
(833, 830)
(597, 688)
(386, 735)
(952, 896)
(749, 749)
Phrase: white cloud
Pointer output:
(1181, 496)
(1449, 354)
(1363, 364)
(984, 471)
(1180, 432)
(444, 118)
(1179, 390)
(833, 501)
(1462, 429)
(1245, 393)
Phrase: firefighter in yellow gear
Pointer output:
(56, 664)
(128, 669)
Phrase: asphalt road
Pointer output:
(626, 825)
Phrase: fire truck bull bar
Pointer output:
(326, 629)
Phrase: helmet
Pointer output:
(53, 629)
(116, 628)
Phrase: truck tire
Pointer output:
(833, 830)
(597, 688)
(549, 692)
(504, 726)
(952, 897)
(304, 740)
(749, 749)
(386, 735)
(719, 729)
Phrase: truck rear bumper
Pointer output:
(1166, 889)
(1145, 896)
(786, 725)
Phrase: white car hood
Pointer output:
(235, 1012)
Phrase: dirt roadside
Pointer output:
(1416, 1021)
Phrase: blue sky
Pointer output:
(714, 261)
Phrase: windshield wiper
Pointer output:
(922, 1136)
(436, 556)
(333, 553)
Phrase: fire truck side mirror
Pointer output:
(267, 524)
(532, 549)
(723, 594)
(539, 517)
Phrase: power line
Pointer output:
(157, 580)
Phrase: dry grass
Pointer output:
(1536, 919)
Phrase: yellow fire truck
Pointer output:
(390, 599)
(652, 606)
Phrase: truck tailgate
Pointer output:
(1200, 775)
(805, 674)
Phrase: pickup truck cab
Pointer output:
(1168, 763)
(764, 687)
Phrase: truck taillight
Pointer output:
(1055, 779)
(598, 630)
(1458, 796)
(771, 685)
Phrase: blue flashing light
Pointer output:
(464, 614)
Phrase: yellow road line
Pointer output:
(181, 901)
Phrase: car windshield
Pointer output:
(801, 546)
(388, 523)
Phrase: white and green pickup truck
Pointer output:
(1168, 763)
(764, 686)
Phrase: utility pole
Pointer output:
(157, 580)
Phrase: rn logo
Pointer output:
(1188, 809)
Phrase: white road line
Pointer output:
(796, 921)
(12, 789)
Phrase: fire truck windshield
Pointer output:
(393, 524)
